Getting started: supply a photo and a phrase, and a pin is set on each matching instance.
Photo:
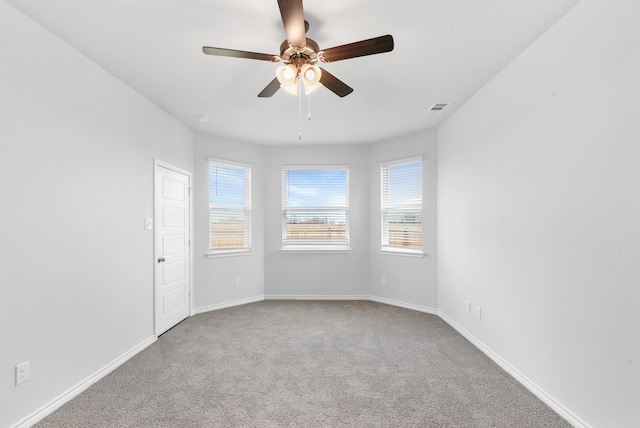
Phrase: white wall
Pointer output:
(77, 151)
(411, 281)
(317, 275)
(214, 278)
(539, 213)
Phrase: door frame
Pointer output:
(160, 164)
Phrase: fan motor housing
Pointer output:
(299, 56)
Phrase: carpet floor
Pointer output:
(308, 364)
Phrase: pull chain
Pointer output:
(300, 107)
(309, 107)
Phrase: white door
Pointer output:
(172, 276)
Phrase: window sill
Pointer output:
(229, 253)
(310, 249)
(389, 251)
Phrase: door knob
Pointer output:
(161, 260)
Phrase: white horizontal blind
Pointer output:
(229, 205)
(315, 205)
(401, 184)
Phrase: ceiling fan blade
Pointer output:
(271, 89)
(293, 20)
(239, 54)
(363, 48)
(334, 84)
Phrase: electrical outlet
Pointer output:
(236, 282)
(22, 372)
(384, 280)
(478, 312)
(467, 306)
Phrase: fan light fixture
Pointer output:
(310, 77)
(289, 74)
(288, 78)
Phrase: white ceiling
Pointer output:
(445, 50)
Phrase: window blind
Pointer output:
(229, 205)
(315, 206)
(401, 184)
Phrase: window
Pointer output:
(401, 184)
(315, 208)
(229, 207)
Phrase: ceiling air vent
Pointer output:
(438, 108)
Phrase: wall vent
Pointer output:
(438, 108)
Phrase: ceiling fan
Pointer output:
(300, 55)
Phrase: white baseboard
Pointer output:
(352, 297)
(210, 308)
(391, 302)
(531, 386)
(316, 297)
(79, 388)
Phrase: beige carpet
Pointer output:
(308, 364)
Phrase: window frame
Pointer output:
(394, 250)
(315, 247)
(247, 248)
